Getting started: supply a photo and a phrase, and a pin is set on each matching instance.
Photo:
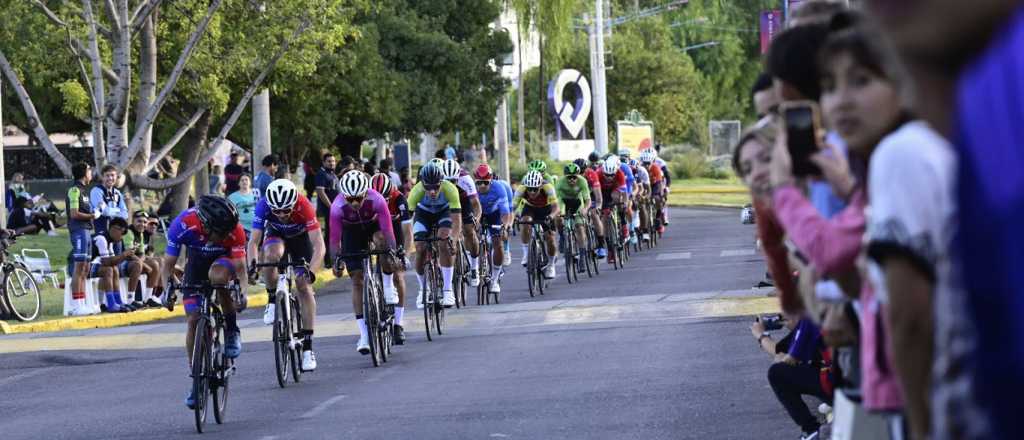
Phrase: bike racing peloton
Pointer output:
(435, 205)
(215, 242)
(286, 225)
(470, 202)
(359, 215)
(537, 203)
(496, 207)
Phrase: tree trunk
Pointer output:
(120, 96)
(194, 149)
(519, 101)
(98, 93)
(147, 91)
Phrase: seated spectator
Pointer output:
(139, 237)
(25, 220)
(217, 184)
(800, 369)
(112, 259)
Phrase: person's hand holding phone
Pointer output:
(836, 170)
(781, 168)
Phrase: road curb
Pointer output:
(108, 320)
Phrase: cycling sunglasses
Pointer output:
(483, 182)
(571, 177)
(432, 187)
(281, 211)
(354, 199)
(532, 190)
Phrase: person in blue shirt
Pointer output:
(509, 195)
(495, 206)
(266, 175)
(107, 200)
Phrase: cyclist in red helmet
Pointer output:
(400, 215)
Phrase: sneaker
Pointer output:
(474, 279)
(52, 233)
(399, 333)
(168, 299)
(647, 237)
(601, 253)
(809, 435)
(526, 259)
(79, 310)
(391, 296)
(449, 298)
(632, 239)
(506, 259)
(363, 346)
(308, 360)
(549, 272)
(419, 298)
(232, 344)
(268, 314)
(190, 400)
(138, 305)
(154, 303)
(495, 286)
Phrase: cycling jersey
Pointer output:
(655, 172)
(374, 209)
(397, 206)
(186, 231)
(447, 198)
(109, 202)
(642, 177)
(494, 200)
(509, 194)
(78, 199)
(578, 190)
(593, 178)
(629, 178)
(302, 220)
(538, 199)
(615, 182)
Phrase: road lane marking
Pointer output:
(674, 256)
(322, 407)
(737, 253)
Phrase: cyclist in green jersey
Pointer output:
(573, 193)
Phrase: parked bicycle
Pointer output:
(19, 297)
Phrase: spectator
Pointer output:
(386, 166)
(348, 163)
(15, 189)
(967, 59)
(140, 238)
(80, 217)
(862, 100)
(112, 260)
(232, 172)
(270, 164)
(24, 219)
(814, 11)
(326, 190)
(107, 200)
(369, 167)
(766, 100)
(800, 358)
(245, 203)
(216, 180)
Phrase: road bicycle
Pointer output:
(211, 368)
(433, 311)
(19, 297)
(483, 291)
(378, 316)
(570, 249)
(287, 330)
(613, 235)
(537, 259)
(590, 247)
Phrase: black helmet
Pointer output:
(581, 162)
(431, 174)
(594, 157)
(217, 214)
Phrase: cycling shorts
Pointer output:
(297, 248)
(357, 238)
(539, 214)
(492, 220)
(81, 245)
(424, 221)
(197, 270)
(572, 206)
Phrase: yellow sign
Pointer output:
(635, 137)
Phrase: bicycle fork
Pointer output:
(284, 297)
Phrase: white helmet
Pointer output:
(281, 194)
(611, 165)
(450, 169)
(533, 179)
(353, 184)
(647, 156)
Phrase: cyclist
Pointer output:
(215, 242)
(286, 225)
(660, 163)
(623, 161)
(658, 187)
(400, 215)
(469, 199)
(538, 203)
(613, 189)
(435, 203)
(593, 179)
(359, 215)
(503, 185)
(643, 191)
(541, 167)
(573, 193)
(496, 208)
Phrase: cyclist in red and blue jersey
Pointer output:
(593, 176)
(496, 211)
(286, 225)
(359, 215)
(215, 242)
(613, 190)
(509, 194)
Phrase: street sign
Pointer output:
(634, 132)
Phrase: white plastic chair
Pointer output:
(38, 263)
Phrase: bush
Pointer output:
(693, 164)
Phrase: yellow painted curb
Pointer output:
(108, 320)
(737, 189)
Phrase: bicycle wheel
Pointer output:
(458, 274)
(483, 271)
(22, 294)
(201, 372)
(568, 254)
(438, 294)
(542, 263)
(220, 386)
(372, 320)
(531, 272)
(295, 328)
(282, 349)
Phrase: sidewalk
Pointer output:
(257, 298)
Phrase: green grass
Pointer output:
(708, 192)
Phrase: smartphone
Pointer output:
(803, 123)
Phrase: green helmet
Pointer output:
(537, 165)
(572, 169)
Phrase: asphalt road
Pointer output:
(660, 349)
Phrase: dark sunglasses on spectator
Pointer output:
(354, 199)
(432, 187)
(281, 211)
(483, 182)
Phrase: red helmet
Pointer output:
(381, 183)
(483, 172)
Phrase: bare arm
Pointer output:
(321, 195)
(317, 237)
(251, 251)
(477, 209)
(167, 268)
(910, 319)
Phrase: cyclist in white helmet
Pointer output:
(470, 200)
(538, 203)
(286, 225)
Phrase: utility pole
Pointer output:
(260, 129)
(600, 101)
(3, 178)
(519, 102)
